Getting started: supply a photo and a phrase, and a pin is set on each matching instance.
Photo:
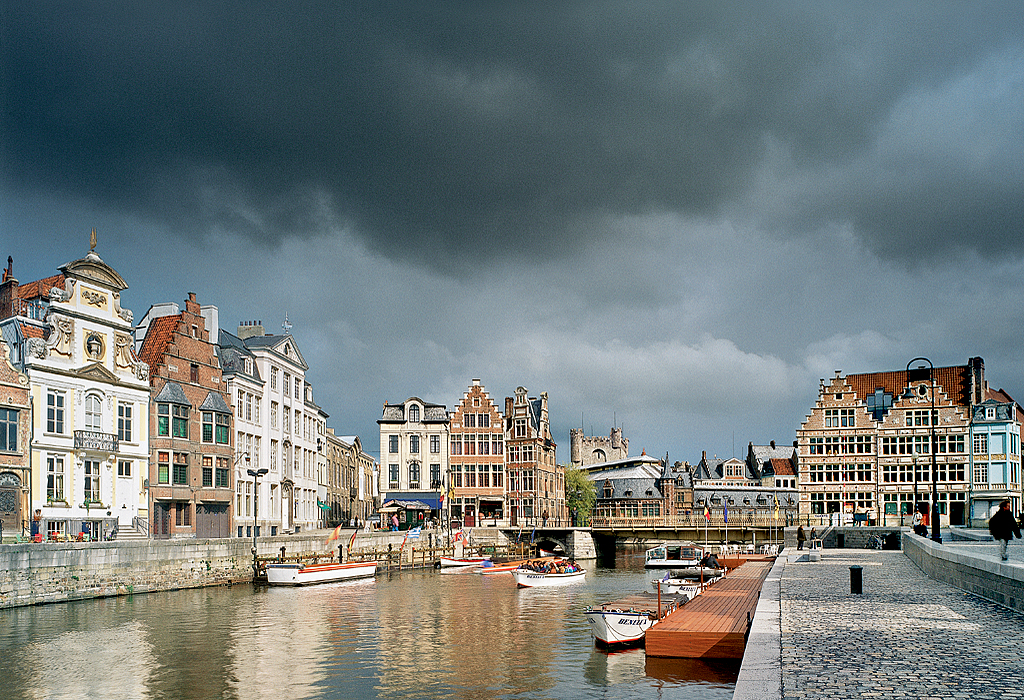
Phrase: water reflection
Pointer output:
(403, 635)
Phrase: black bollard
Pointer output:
(856, 579)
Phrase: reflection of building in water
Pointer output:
(116, 662)
(471, 633)
(614, 668)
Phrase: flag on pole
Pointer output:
(413, 534)
(707, 512)
(533, 534)
(334, 535)
(725, 509)
(353, 540)
(776, 508)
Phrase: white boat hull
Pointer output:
(615, 628)
(687, 587)
(298, 575)
(533, 579)
(451, 562)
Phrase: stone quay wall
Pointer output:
(984, 576)
(36, 573)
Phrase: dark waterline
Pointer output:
(405, 635)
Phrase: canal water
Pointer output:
(414, 634)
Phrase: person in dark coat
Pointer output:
(1003, 528)
(800, 537)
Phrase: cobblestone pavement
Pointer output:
(906, 636)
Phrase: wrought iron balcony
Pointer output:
(98, 442)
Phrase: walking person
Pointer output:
(800, 537)
(918, 527)
(1003, 527)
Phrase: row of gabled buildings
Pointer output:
(475, 464)
(171, 427)
(872, 449)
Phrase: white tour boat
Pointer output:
(301, 575)
(625, 621)
(673, 556)
(687, 588)
(528, 578)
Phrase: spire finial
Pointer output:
(92, 241)
(286, 326)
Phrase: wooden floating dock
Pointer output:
(714, 625)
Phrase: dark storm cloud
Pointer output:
(452, 131)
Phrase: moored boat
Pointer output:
(673, 556)
(450, 562)
(686, 587)
(301, 575)
(625, 621)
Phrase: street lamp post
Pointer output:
(920, 373)
(255, 474)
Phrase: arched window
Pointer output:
(93, 412)
(414, 413)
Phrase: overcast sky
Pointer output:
(672, 218)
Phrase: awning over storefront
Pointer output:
(431, 499)
(396, 505)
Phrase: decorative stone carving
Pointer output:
(38, 348)
(123, 352)
(92, 298)
(125, 314)
(142, 371)
(62, 330)
(58, 294)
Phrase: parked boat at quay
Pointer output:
(687, 587)
(624, 622)
(304, 574)
(460, 562)
(673, 556)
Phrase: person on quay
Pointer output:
(800, 537)
(1003, 528)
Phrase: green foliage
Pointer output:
(579, 494)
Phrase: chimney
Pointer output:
(772, 443)
(250, 329)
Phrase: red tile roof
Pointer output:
(40, 289)
(782, 467)
(30, 331)
(955, 381)
(158, 337)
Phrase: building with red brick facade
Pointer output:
(191, 454)
(477, 459)
(535, 481)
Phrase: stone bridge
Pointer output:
(576, 542)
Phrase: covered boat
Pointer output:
(301, 575)
(673, 556)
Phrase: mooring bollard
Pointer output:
(856, 579)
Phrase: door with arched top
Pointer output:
(10, 503)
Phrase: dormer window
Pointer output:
(414, 413)
(990, 413)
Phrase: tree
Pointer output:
(579, 494)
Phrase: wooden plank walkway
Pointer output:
(713, 625)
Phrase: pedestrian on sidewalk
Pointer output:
(1003, 527)
(800, 537)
